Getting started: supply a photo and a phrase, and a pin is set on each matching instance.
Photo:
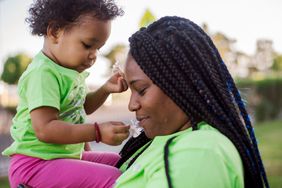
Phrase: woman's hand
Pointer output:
(113, 133)
(115, 84)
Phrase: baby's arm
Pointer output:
(49, 129)
(94, 100)
(87, 146)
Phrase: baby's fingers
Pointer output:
(121, 129)
(124, 85)
(122, 136)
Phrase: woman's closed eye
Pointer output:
(142, 91)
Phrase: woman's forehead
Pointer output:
(131, 64)
(133, 72)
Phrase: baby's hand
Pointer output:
(113, 133)
(116, 83)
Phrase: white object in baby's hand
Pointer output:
(135, 129)
(116, 67)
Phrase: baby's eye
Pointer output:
(87, 46)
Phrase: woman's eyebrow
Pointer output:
(132, 82)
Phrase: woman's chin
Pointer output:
(149, 134)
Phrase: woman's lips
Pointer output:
(142, 121)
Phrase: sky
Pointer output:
(242, 20)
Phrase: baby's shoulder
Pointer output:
(39, 67)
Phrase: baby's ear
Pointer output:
(54, 31)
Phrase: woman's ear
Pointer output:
(53, 32)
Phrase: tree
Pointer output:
(277, 63)
(147, 18)
(117, 53)
(14, 66)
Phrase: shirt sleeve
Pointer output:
(42, 89)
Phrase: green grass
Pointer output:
(4, 182)
(269, 135)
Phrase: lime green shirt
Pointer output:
(46, 83)
(197, 159)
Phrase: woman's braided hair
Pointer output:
(181, 59)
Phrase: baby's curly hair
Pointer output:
(62, 14)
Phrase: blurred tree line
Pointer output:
(264, 97)
(277, 63)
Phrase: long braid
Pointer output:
(224, 130)
(232, 88)
(247, 126)
(247, 120)
(233, 112)
(182, 60)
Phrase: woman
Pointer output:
(197, 132)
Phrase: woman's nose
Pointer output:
(133, 104)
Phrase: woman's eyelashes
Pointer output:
(142, 91)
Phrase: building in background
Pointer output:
(240, 64)
(263, 58)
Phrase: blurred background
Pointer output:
(247, 34)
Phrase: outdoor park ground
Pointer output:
(270, 144)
